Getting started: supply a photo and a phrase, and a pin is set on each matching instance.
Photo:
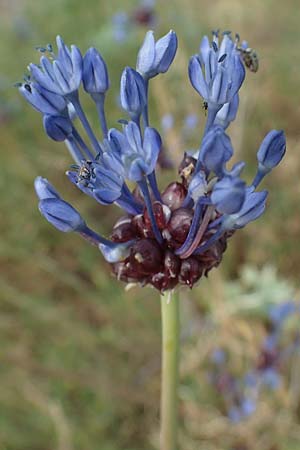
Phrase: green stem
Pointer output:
(170, 363)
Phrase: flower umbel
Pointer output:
(163, 238)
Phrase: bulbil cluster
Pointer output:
(162, 238)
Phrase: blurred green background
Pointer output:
(80, 356)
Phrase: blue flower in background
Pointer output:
(170, 236)
(241, 394)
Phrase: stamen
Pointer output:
(222, 58)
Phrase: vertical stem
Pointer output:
(74, 99)
(170, 365)
(99, 100)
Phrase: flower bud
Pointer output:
(272, 150)
(61, 215)
(58, 128)
(94, 74)
(154, 58)
(132, 92)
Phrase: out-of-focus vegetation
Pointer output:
(79, 356)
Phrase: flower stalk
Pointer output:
(170, 368)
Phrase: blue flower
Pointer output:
(227, 113)
(98, 182)
(156, 57)
(228, 195)
(253, 207)
(63, 75)
(279, 313)
(58, 212)
(61, 214)
(136, 155)
(217, 73)
(58, 128)
(132, 92)
(270, 153)
(215, 151)
(94, 74)
(168, 237)
(42, 99)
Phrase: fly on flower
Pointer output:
(163, 237)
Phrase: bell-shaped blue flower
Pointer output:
(41, 99)
(132, 92)
(94, 179)
(94, 74)
(228, 195)
(253, 207)
(216, 150)
(156, 57)
(58, 128)
(227, 113)
(131, 154)
(63, 75)
(141, 156)
(217, 73)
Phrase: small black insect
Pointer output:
(85, 172)
(205, 107)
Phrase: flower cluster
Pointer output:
(164, 238)
(240, 394)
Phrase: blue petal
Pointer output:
(94, 74)
(61, 214)
(165, 51)
(151, 146)
(197, 78)
(134, 138)
(146, 55)
(228, 195)
(44, 189)
(64, 55)
(58, 128)
(76, 57)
